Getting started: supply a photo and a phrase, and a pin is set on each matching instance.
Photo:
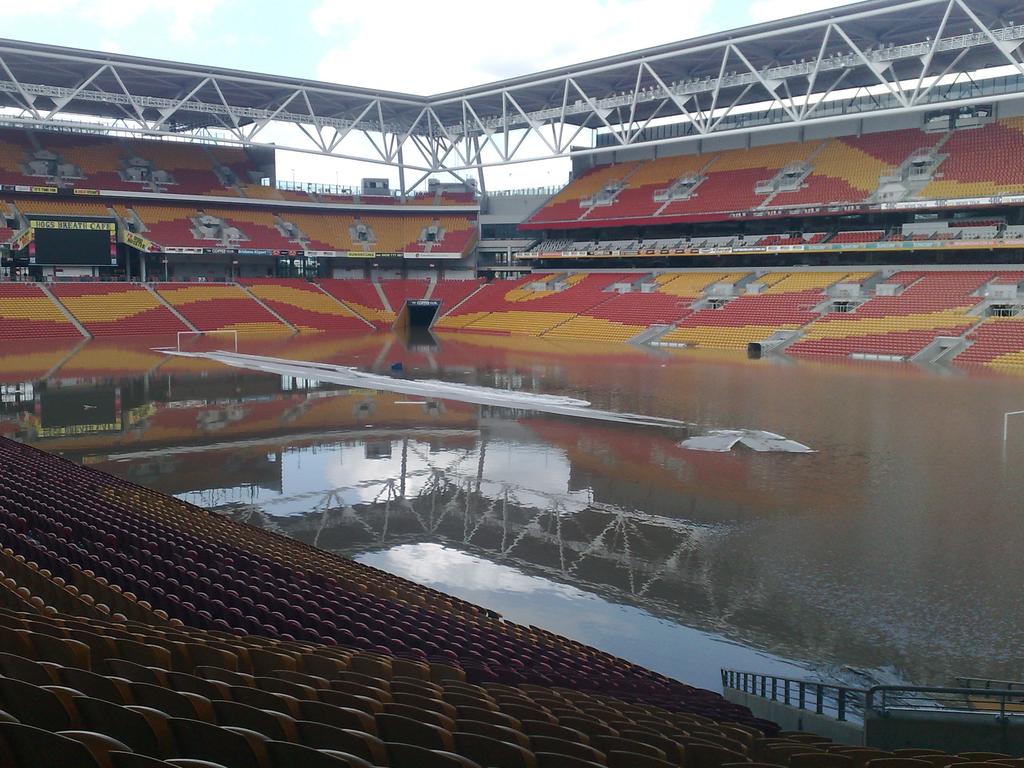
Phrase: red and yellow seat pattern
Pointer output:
(362, 297)
(973, 162)
(998, 342)
(28, 313)
(117, 309)
(220, 307)
(981, 162)
(786, 301)
(510, 307)
(621, 316)
(932, 304)
(304, 305)
(398, 291)
(452, 292)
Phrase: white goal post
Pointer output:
(206, 333)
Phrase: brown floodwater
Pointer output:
(891, 554)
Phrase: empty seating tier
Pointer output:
(117, 309)
(28, 313)
(931, 304)
(451, 293)
(362, 297)
(220, 307)
(838, 171)
(398, 291)
(132, 616)
(784, 301)
(305, 306)
(997, 342)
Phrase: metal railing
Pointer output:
(977, 696)
(1001, 702)
(837, 701)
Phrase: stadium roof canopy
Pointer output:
(878, 56)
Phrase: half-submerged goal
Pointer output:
(211, 334)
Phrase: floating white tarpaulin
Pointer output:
(724, 440)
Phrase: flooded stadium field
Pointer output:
(892, 553)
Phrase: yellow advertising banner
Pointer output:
(107, 226)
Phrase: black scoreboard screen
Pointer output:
(79, 410)
(73, 246)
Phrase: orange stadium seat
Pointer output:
(28, 313)
(304, 305)
(220, 307)
(930, 304)
(117, 309)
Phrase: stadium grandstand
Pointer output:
(845, 185)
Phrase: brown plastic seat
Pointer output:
(541, 728)
(28, 671)
(99, 745)
(284, 754)
(371, 665)
(895, 762)
(231, 677)
(493, 753)
(63, 651)
(34, 705)
(122, 723)
(416, 687)
(358, 689)
(402, 755)
(264, 661)
(274, 725)
(780, 753)
(342, 699)
(133, 760)
(711, 756)
(285, 687)
(558, 760)
(805, 738)
(129, 670)
(358, 743)
(620, 759)
(405, 730)
(673, 749)
(918, 752)
(819, 760)
(256, 697)
(608, 743)
(522, 711)
(984, 757)
(231, 747)
(425, 702)
(188, 706)
(302, 678)
(416, 713)
(183, 682)
(568, 748)
(944, 760)
(28, 747)
(725, 742)
(861, 755)
(115, 689)
(487, 716)
(492, 731)
(339, 717)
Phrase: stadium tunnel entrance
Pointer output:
(414, 321)
(417, 313)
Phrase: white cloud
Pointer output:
(771, 10)
(427, 48)
(178, 19)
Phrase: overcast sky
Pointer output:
(407, 45)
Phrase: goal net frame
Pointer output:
(207, 333)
